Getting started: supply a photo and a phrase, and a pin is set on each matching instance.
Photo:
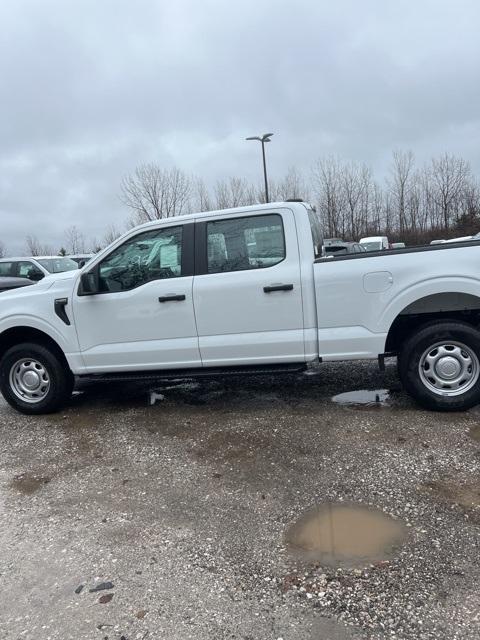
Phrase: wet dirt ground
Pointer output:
(176, 506)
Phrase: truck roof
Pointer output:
(246, 209)
(32, 258)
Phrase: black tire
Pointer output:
(53, 369)
(416, 379)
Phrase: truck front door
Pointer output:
(142, 316)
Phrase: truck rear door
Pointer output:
(247, 289)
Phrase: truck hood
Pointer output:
(63, 275)
(57, 281)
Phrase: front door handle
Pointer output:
(172, 298)
(278, 287)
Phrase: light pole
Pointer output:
(265, 138)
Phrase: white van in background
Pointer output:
(375, 243)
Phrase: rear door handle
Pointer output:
(172, 298)
(278, 287)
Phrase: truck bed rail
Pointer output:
(462, 244)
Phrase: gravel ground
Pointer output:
(183, 506)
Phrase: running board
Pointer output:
(207, 372)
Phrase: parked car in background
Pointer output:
(464, 238)
(7, 283)
(342, 248)
(461, 239)
(375, 243)
(328, 241)
(35, 268)
(81, 258)
(397, 245)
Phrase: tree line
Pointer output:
(413, 203)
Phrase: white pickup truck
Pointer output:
(244, 290)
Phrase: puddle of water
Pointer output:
(475, 432)
(363, 398)
(346, 535)
(28, 483)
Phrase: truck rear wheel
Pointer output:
(440, 366)
(34, 379)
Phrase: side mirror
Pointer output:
(89, 283)
(35, 275)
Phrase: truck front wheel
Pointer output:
(440, 366)
(33, 379)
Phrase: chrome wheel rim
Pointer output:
(449, 368)
(29, 380)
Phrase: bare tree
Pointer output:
(153, 193)
(75, 240)
(233, 192)
(111, 234)
(202, 199)
(450, 176)
(2, 249)
(471, 199)
(399, 184)
(35, 248)
(291, 186)
(353, 184)
(379, 218)
(328, 192)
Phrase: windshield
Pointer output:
(57, 265)
(372, 246)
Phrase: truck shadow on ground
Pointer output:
(252, 392)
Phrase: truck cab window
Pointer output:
(6, 269)
(153, 255)
(238, 244)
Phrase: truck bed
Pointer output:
(360, 296)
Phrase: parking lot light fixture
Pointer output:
(263, 139)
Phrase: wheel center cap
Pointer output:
(448, 367)
(31, 379)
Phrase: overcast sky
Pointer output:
(89, 89)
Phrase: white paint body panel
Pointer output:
(133, 330)
(238, 323)
(354, 323)
(337, 310)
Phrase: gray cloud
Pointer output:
(91, 89)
